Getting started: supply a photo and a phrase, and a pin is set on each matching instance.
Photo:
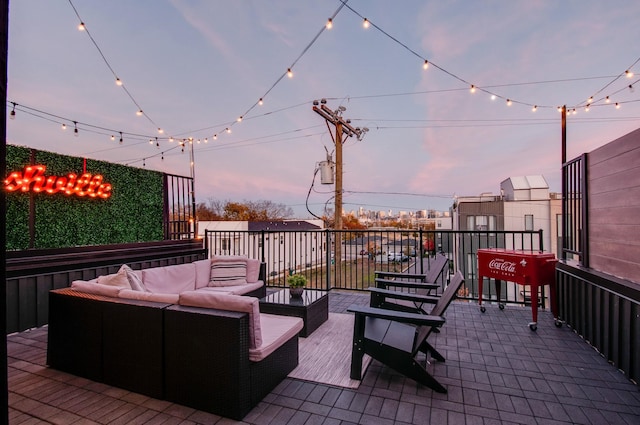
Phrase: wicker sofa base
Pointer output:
(197, 357)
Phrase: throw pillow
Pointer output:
(134, 280)
(228, 273)
(117, 279)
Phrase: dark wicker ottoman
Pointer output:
(312, 307)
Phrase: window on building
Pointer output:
(481, 222)
(528, 222)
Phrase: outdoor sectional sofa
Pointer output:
(199, 346)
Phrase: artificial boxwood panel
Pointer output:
(133, 213)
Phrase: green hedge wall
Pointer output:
(133, 213)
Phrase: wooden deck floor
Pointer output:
(497, 372)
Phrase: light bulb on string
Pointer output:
(559, 108)
(289, 73)
(162, 157)
(81, 26)
(215, 137)
(139, 112)
(151, 141)
(607, 100)
(75, 130)
(113, 137)
(587, 107)
(574, 111)
(628, 73)
(239, 118)
(64, 126)
(366, 23)
(228, 130)
(425, 65)
(121, 138)
(631, 89)
(590, 100)
(472, 89)
(329, 24)
(509, 102)
(144, 162)
(171, 139)
(260, 102)
(160, 131)
(118, 81)
(535, 108)
(157, 143)
(12, 114)
(617, 105)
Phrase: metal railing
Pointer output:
(362, 252)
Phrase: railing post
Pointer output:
(262, 258)
(540, 240)
(421, 250)
(327, 241)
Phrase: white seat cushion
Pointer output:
(276, 330)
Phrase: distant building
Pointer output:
(524, 203)
(289, 243)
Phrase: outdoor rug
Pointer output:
(325, 356)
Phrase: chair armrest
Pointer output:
(417, 276)
(407, 296)
(384, 283)
(398, 316)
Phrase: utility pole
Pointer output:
(343, 128)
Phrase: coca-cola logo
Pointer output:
(500, 264)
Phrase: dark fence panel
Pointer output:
(31, 274)
(605, 311)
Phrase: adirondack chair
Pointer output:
(395, 338)
(403, 295)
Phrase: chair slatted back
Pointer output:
(439, 308)
(436, 268)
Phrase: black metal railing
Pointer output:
(575, 226)
(348, 259)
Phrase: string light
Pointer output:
(586, 108)
(75, 130)
(365, 23)
(81, 26)
(171, 139)
(509, 102)
(493, 97)
(215, 137)
(425, 65)
(607, 100)
(535, 108)
(617, 105)
(118, 81)
(329, 24)
(160, 131)
(113, 137)
(239, 119)
(121, 137)
(472, 89)
(559, 108)
(157, 143)
(64, 126)
(628, 73)
(151, 141)
(206, 140)
(139, 112)
(289, 73)
(12, 114)
(228, 130)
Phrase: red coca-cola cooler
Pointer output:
(523, 267)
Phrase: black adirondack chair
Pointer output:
(395, 338)
(403, 295)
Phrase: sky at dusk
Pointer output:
(195, 66)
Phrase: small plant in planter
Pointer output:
(296, 282)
